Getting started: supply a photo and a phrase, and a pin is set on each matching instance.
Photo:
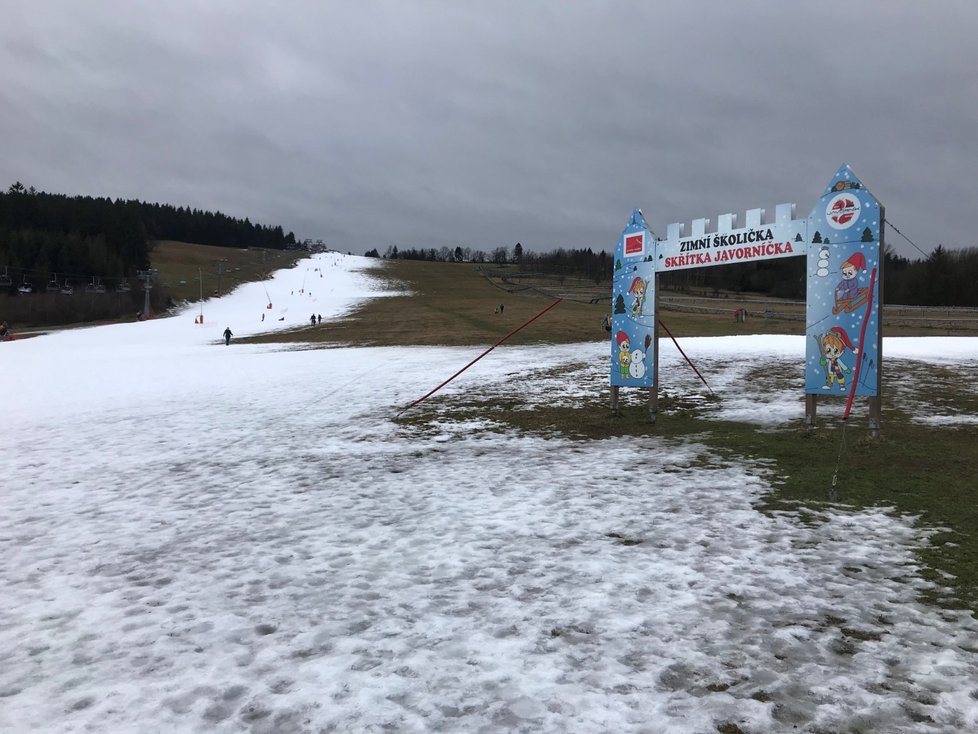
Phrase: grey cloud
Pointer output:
(434, 123)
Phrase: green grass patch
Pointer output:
(920, 470)
(624, 539)
(186, 269)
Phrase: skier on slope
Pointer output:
(227, 336)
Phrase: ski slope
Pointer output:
(201, 538)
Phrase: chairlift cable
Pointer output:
(890, 224)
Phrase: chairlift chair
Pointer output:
(90, 288)
(67, 289)
(53, 286)
(124, 286)
(25, 287)
(99, 288)
(5, 279)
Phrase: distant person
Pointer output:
(312, 320)
(606, 322)
(501, 307)
(262, 315)
(319, 318)
(227, 336)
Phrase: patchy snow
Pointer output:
(200, 538)
(946, 420)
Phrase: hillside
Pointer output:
(457, 304)
(188, 270)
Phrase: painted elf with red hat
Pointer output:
(848, 294)
(638, 289)
(834, 344)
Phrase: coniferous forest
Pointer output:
(54, 244)
(50, 241)
(84, 238)
(944, 278)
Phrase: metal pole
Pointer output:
(147, 277)
(220, 272)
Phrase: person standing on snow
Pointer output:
(227, 336)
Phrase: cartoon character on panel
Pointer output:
(624, 353)
(833, 345)
(848, 294)
(632, 305)
(636, 367)
(845, 226)
(638, 289)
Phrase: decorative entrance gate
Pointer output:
(842, 239)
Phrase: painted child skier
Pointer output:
(834, 344)
(848, 294)
(638, 289)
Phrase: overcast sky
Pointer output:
(425, 124)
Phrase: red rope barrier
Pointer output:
(684, 355)
(519, 328)
(862, 335)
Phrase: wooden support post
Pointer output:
(614, 400)
(653, 403)
(875, 416)
(811, 401)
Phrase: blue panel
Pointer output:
(633, 306)
(843, 316)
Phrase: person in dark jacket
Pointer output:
(227, 336)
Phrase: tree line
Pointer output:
(579, 263)
(91, 237)
(943, 278)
